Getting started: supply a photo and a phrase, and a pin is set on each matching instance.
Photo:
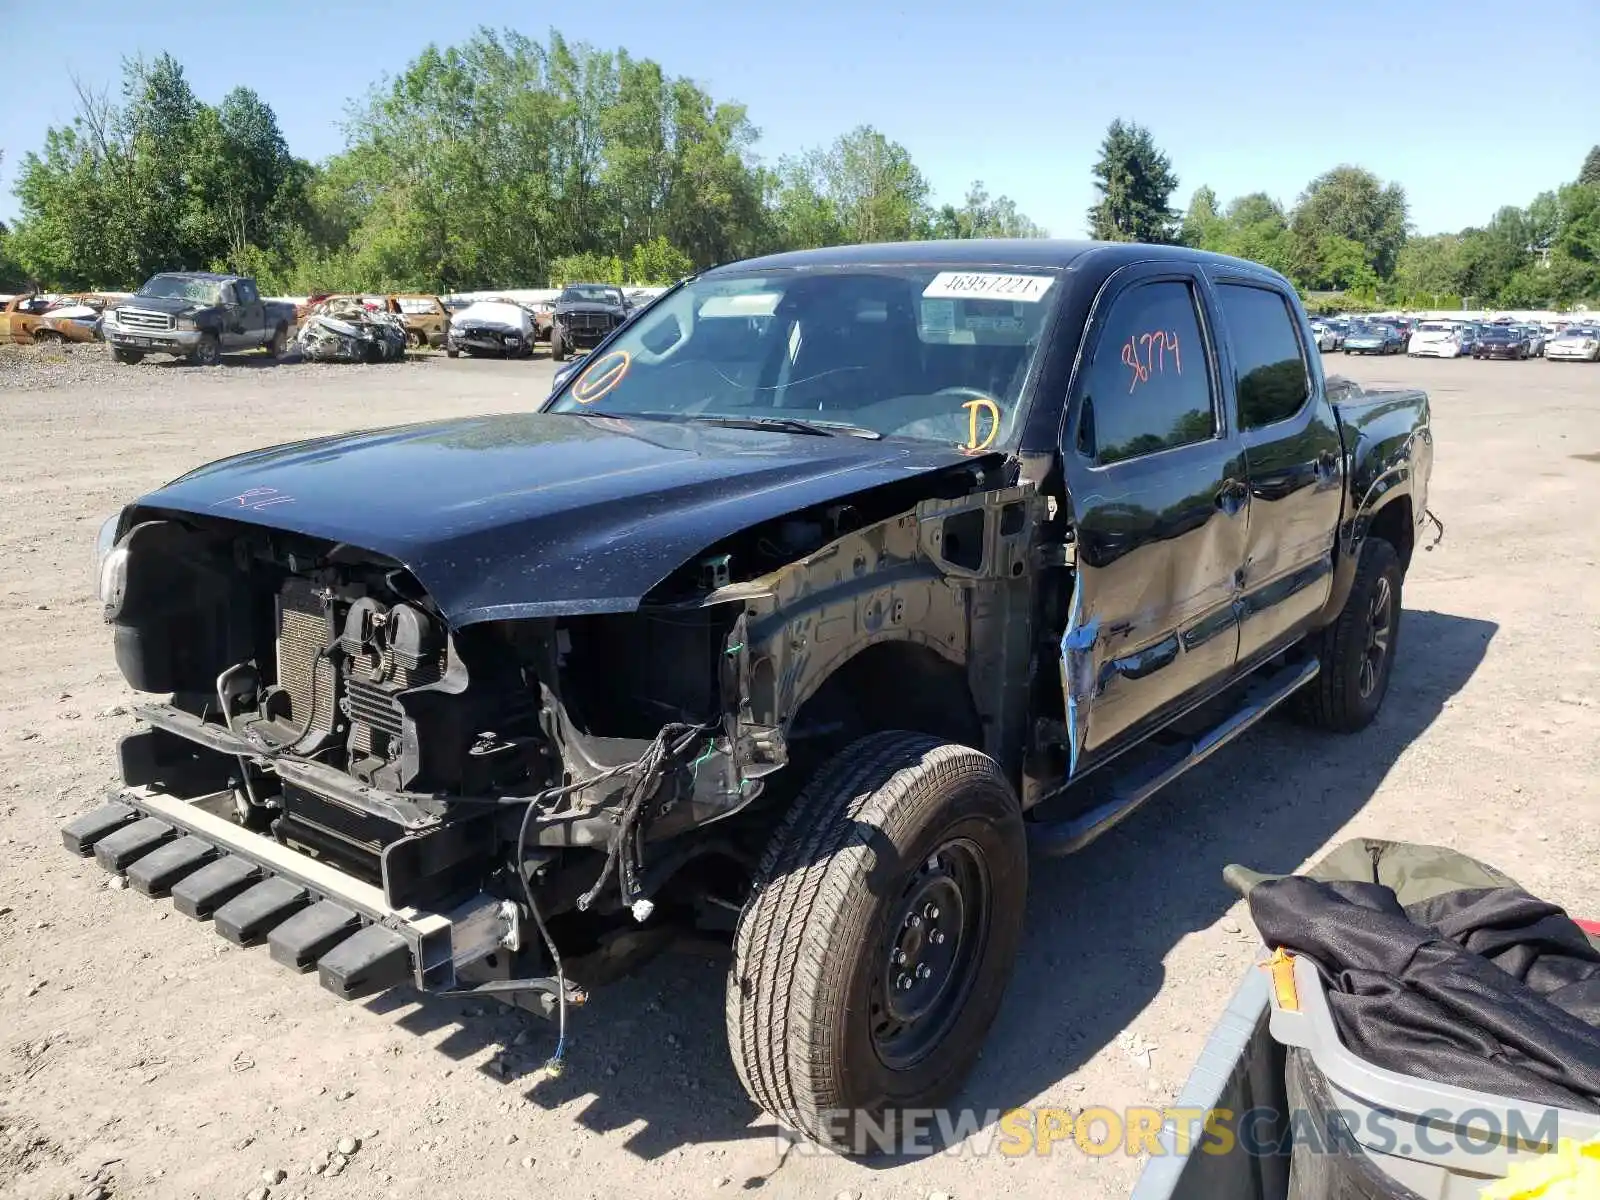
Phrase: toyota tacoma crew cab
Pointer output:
(813, 596)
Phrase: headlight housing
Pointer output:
(110, 564)
(184, 323)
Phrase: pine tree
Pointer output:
(1590, 173)
(1135, 182)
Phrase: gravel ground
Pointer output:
(142, 1056)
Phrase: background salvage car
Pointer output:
(20, 318)
(347, 329)
(790, 619)
(1435, 339)
(496, 327)
(1373, 337)
(585, 314)
(427, 320)
(196, 316)
(73, 319)
(1501, 341)
(1575, 343)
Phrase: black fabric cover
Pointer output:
(1484, 988)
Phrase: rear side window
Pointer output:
(1147, 387)
(1273, 381)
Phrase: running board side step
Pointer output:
(1057, 838)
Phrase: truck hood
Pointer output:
(176, 305)
(541, 514)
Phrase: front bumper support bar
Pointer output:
(311, 915)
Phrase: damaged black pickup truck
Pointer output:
(817, 592)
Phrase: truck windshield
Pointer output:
(592, 295)
(182, 287)
(916, 352)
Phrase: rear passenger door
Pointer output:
(1159, 503)
(252, 314)
(1293, 459)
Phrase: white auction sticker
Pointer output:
(987, 285)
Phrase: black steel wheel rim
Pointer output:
(930, 957)
(1380, 632)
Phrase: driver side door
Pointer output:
(1159, 502)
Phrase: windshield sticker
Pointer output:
(1143, 353)
(987, 285)
(938, 316)
(974, 444)
(601, 377)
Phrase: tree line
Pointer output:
(497, 162)
(506, 161)
(1347, 233)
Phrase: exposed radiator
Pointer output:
(305, 628)
(372, 707)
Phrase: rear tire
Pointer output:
(1357, 651)
(278, 345)
(879, 937)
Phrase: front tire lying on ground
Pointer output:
(877, 943)
(1357, 651)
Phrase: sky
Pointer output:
(1469, 105)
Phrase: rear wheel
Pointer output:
(278, 345)
(414, 339)
(878, 940)
(1357, 651)
(558, 345)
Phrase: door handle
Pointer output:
(1232, 495)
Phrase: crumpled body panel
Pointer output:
(352, 334)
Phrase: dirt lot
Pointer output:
(142, 1056)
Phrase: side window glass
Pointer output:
(1274, 381)
(246, 290)
(1147, 388)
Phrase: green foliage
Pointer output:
(1354, 206)
(497, 162)
(1135, 182)
(1202, 225)
(1252, 227)
(588, 267)
(657, 263)
(982, 217)
(158, 182)
(863, 188)
(1589, 173)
